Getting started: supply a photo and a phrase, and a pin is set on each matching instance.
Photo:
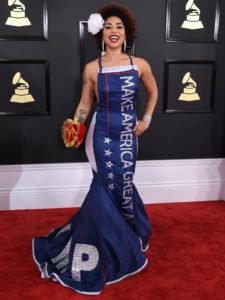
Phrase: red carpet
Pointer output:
(187, 255)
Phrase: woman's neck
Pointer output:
(114, 55)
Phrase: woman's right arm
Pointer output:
(87, 95)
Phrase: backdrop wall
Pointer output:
(49, 53)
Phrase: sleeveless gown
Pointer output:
(105, 240)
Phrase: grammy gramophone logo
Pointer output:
(21, 92)
(189, 89)
(17, 14)
(193, 16)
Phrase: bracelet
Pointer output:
(78, 119)
(147, 118)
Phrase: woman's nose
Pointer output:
(114, 30)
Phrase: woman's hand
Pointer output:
(141, 126)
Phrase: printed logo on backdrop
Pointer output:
(21, 91)
(17, 14)
(192, 20)
(24, 87)
(189, 90)
(23, 20)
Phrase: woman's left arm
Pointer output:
(150, 85)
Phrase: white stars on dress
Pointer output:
(108, 152)
(109, 164)
(111, 187)
(107, 140)
(111, 176)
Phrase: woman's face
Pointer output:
(114, 32)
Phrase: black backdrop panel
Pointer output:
(189, 86)
(195, 132)
(33, 26)
(202, 28)
(24, 87)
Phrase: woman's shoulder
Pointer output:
(139, 61)
(91, 68)
(92, 64)
(142, 64)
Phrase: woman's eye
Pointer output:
(110, 27)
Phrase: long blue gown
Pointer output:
(105, 240)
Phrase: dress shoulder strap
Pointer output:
(131, 61)
(100, 64)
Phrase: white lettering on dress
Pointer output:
(78, 264)
(126, 144)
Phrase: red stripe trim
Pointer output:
(103, 275)
(107, 101)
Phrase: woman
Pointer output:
(105, 241)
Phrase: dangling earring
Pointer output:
(124, 46)
(103, 47)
